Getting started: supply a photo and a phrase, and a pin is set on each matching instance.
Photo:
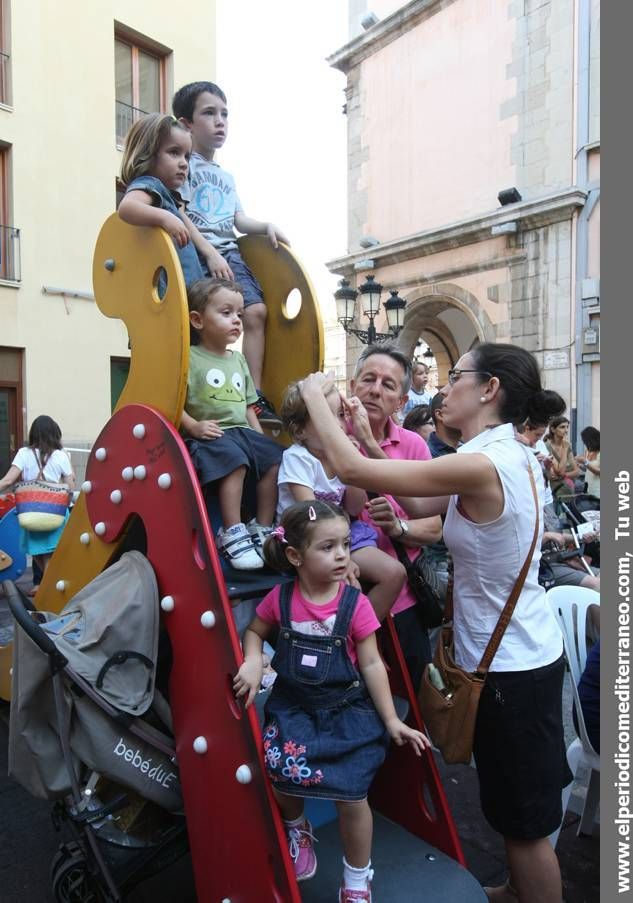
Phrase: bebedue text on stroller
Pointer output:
(156, 773)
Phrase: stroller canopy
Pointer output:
(109, 633)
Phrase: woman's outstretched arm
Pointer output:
(469, 475)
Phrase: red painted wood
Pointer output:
(238, 845)
(408, 789)
(237, 841)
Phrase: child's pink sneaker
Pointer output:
(300, 846)
(346, 895)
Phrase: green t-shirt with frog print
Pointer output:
(219, 388)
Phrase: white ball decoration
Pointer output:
(139, 431)
(116, 496)
(60, 586)
(200, 745)
(244, 775)
(167, 603)
(101, 454)
(100, 528)
(140, 472)
(207, 619)
(164, 481)
(84, 539)
(128, 474)
(86, 486)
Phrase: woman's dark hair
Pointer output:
(298, 528)
(591, 438)
(522, 395)
(418, 416)
(45, 436)
(556, 422)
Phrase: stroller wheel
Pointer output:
(70, 876)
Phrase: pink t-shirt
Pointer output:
(319, 620)
(400, 445)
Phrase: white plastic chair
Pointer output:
(569, 605)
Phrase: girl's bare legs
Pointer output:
(385, 572)
(291, 807)
(356, 827)
(267, 497)
(230, 497)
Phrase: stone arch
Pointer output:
(465, 323)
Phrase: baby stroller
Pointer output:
(81, 682)
(583, 509)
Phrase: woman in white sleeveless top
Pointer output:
(490, 514)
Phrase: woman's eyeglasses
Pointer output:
(454, 375)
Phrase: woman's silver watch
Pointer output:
(404, 527)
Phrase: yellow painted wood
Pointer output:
(158, 330)
(293, 347)
(159, 336)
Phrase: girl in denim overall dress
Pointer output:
(330, 715)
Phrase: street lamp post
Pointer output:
(370, 292)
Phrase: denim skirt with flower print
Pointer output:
(322, 736)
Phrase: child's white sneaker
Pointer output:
(258, 535)
(236, 545)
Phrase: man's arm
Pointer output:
(422, 531)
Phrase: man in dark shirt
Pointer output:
(444, 440)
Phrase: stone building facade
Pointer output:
(450, 102)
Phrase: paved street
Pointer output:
(29, 843)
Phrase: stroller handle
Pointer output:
(22, 615)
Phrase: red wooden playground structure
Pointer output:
(139, 470)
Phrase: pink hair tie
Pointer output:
(280, 534)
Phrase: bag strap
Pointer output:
(513, 598)
(40, 471)
(400, 552)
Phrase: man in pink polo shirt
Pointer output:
(379, 389)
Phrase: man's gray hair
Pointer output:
(391, 350)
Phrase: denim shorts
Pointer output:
(215, 459)
(251, 289)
